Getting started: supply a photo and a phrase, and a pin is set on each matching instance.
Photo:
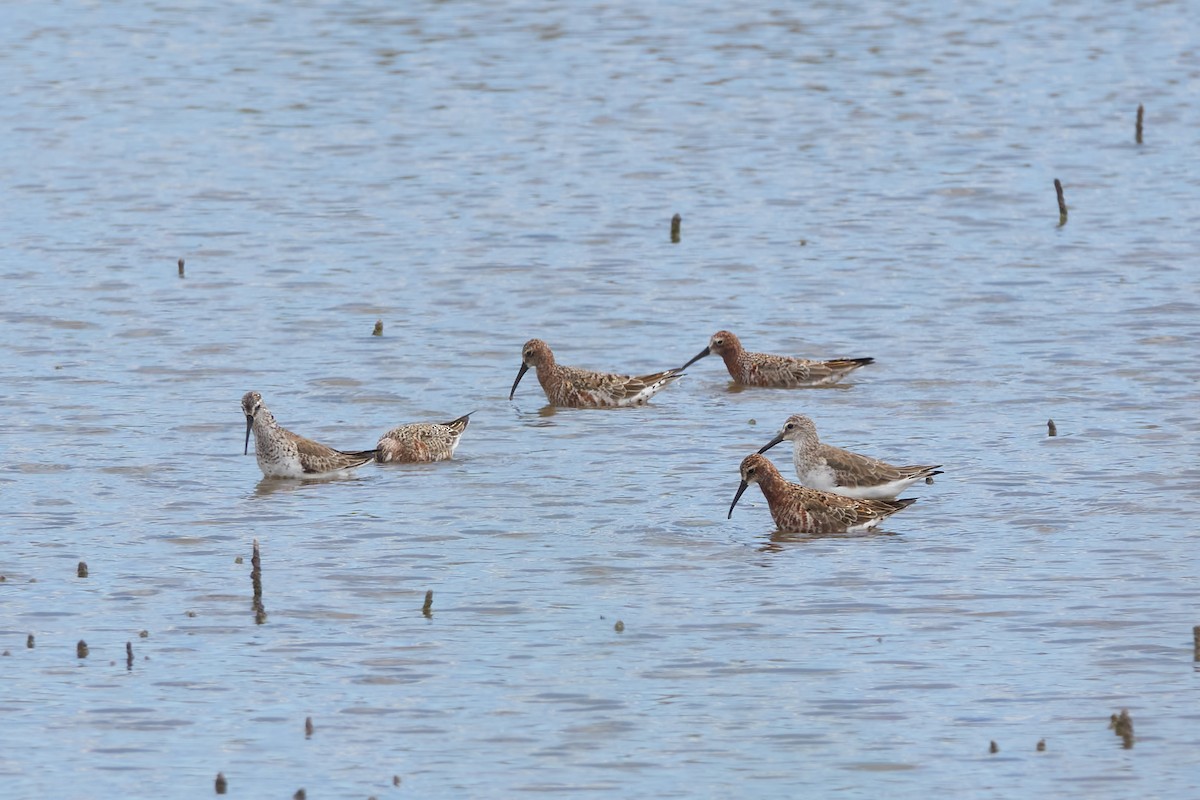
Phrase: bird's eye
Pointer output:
(790, 426)
(718, 342)
(751, 471)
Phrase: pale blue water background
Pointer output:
(854, 179)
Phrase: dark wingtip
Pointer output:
(904, 502)
(465, 419)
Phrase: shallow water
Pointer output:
(866, 180)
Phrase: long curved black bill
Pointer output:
(520, 374)
(741, 488)
(697, 357)
(771, 443)
(249, 424)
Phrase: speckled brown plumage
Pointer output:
(832, 469)
(784, 372)
(421, 442)
(579, 388)
(796, 509)
(283, 454)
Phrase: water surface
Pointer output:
(872, 179)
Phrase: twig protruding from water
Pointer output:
(1062, 203)
(1141, 115)
(378, 328)
(222, 784)
(1051, 428)
(260, 613)
(1122, 725)
(427, 609)
(181, 267)
(82, 570)
(676, 224)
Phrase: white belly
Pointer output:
(818, 476)
(277, 459)
(281, 468)
(824, 478)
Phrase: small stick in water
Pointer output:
(619, 627)
(676, 222)
(427, 609)
(993, 747)
(1041, 745)
(29, 643)
(256, 569)
(1122, 725)
(378, 328)
(81, 570)
(181, 267)
(81, 649)
(128, 656)
(1062, 204)
(222, 784)
(260, 613)
(308, 728)
(1051, 428)
(1141, 116)
(1195, 642)
(300, 795)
